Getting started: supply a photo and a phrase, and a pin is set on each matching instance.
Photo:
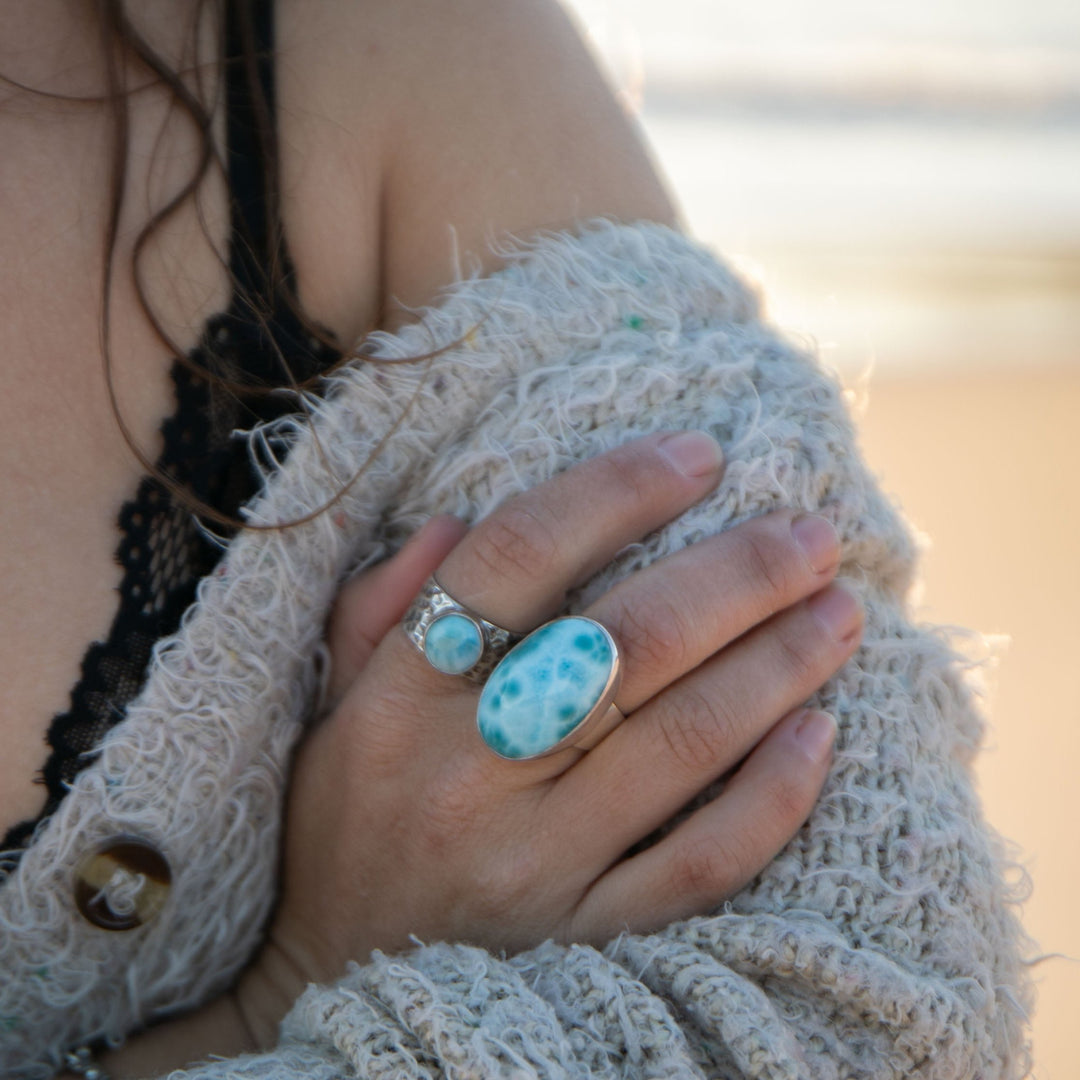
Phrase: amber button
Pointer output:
(123, 884)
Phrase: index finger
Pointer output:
(516, 566)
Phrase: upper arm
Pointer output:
(504, 125)
(458, 124)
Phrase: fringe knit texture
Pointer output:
(882, 942)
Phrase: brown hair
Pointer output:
(120, 41)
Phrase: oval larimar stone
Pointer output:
(545, 687)
(453, 643)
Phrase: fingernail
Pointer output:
(693, 453)
(838, 610)
(817, 540)
(816, 734)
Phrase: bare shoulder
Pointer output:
(450, 125)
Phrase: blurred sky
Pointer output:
(904, 178)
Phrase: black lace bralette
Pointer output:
(163, 550)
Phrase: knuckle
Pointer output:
(743, 858)
(786, 801)
(376, 735)
(622, 474)
(515, 543)
(695, 730)
(798, 655)
(768, 562)
(451, 813)
(652, 635)
(705, 868)
(507, 882)
(460, 827)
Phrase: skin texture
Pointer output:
(496, 853)
(412, 133)
(389, 167)
(718, 645)
(452, 125)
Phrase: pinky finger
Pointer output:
(722, 846)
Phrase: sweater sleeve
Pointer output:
(880, 943)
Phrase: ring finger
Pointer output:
(676, 744)
(673, 615)
(666, 620)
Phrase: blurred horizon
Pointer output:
(925, 53)
(878, 169)
(903, 181)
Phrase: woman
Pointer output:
(413, 139)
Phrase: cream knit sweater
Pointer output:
(879, 943)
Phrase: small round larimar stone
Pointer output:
(545, 687)
(453, 643)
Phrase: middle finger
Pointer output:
(673, 615)
(699, 728)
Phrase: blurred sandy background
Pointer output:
(904, 180)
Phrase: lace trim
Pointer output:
(162, 549)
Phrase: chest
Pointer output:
(65, 466)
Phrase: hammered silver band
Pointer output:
(432, 604)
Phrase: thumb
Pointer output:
(369, 606)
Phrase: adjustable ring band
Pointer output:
(553, 690)
(453, 639)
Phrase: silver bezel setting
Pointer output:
(432, 602)
(442, 615)
(598, 722)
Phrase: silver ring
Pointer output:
(453, 639)
(553, 690)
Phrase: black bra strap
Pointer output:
(263, 318)
(251, 140)
(198, 450)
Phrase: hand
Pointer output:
(401, 822)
